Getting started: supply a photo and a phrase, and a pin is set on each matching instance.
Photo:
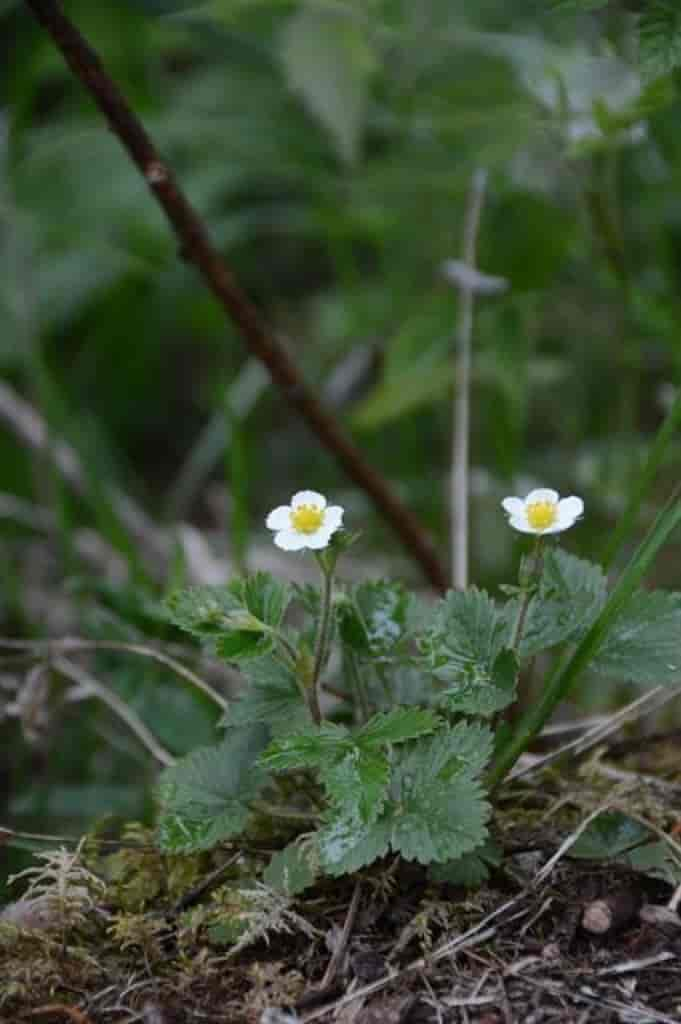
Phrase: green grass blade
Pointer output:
(628, 519)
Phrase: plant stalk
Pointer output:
(322, 642)
(529, 591)
(461, 428)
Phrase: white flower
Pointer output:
(307, 522)
(543, 511)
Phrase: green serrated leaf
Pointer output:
(643, 645)
(204, 797)
(463, 749)
(437, 809)
(373, 620)
(571, 594)
(346, 845)
(307, 749)
(237, 617)
(271, 695)
(467, 635)
(486, 693)
(440, 822)
(465, 650)
(264, 597)
(471, 870)
(293, 869)
(358, 783)
(203, 610)
(397, 726)
(242, 644)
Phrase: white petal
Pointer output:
(320, 539)
(290, 540)
(542, 494)
(559, 526)
(279, 518)
(564, 520)
(572, 507)
(521, 524)
(333, 517)
(308, 498)
(514, 506)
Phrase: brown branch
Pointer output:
(197, 247)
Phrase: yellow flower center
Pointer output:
(307, 518)
(541, 514)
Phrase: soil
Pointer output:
(515, 949)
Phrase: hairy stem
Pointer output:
(530, 590)
(322, 642)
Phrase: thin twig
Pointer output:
(91, 687)
(604, 727)
(343, 939)
(472, 937)
(73, 646)
(9, 836)
(568, 843)
(671, 790)
(208, 881)
(60, 1009)
(462, 402)
(675, 901)
(197, 247)
(30, 427)
(634, 966)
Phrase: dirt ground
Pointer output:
(548, 938)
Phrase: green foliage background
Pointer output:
(329, 145)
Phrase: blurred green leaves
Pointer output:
(327, 59)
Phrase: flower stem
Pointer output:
(322, 642)
(529, 586)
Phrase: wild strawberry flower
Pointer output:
(543, 511)
(308, 522)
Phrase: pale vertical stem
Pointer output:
(462, 399)
(530, 589)
(322, 644)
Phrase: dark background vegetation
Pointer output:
(329, 146)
